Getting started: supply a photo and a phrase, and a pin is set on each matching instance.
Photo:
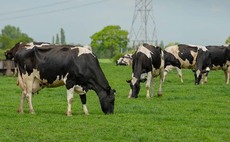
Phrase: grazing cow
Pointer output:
(125, 60)
(185, 56)
(51, 66)
(147, 59)
(220, 59)
(203, 64)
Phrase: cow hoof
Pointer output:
(69, 114)
(159, 94)
(32, 112)
(148, 97)
(86, 113)
(20, 111)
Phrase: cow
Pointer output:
(125, 60)
(150, 60)
(185, 56)
(220, 59)
(54, 65)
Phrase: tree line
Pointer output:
(106, 43)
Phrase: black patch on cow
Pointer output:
(170, 59)
(219, 55)
(185, 52)
(155, 58)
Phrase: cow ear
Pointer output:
(114, 91)
(128, 81)
(193, 70)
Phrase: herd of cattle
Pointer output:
(41, 64)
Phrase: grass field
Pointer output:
(185, 112)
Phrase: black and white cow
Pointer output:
(125, 60)
(51, 66)
(220, 59)
(185, 56)
(147, 59)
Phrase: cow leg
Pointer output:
(27, 85)
(83, 101)
(29, 100)
(69, 101)
(130, 91)
(22, 99)
(180, 74)
(206, 77)
(165, 74)
(23, 94)
(226, 72)
(160, 85)
(148, 83)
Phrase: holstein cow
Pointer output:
(125, 60)
(185, 56)
(75, 67)
(147, 59)
(220, 59)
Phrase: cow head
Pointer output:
(135, 87)
(107, 101)
(125, 60)
(203, 64)
(9, 55)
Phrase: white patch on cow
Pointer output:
(31, 45)
(88, 47)
(198, 73)
(199, 47)
(134, 80)
(144, 50)
(143, 76)
(78, 89)
(83, 50)
(207, 69)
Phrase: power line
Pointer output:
(54, 11)
(33, 8)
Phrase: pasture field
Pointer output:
(185, 112)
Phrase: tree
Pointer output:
(62, 37)
(109, 41)
(57, 39)
(228, 40)
(11, 35)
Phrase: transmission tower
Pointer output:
(143, 28)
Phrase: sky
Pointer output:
(200, 22)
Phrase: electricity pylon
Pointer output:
(143, 28)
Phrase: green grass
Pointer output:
(185, 112)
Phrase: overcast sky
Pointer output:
(202, 22)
